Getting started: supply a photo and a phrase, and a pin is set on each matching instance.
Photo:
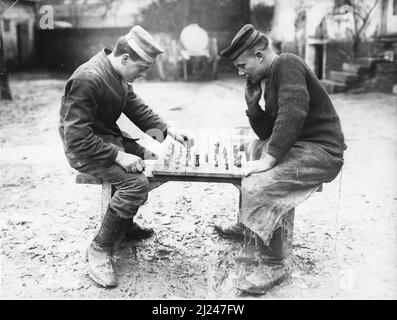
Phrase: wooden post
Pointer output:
(105, 198)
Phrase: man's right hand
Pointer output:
(130, 162)
(253, 94)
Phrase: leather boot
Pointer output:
(262, 279)
(236, 231)
(100, 251)
(134, 231)
(271, 268)
(257, 252)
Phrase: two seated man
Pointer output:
(300, 144)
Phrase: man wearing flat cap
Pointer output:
(300, 146)
(95, 96)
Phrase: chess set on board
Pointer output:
(223, 161)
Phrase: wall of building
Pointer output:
(21, 13)
(338, 52)
(391, 17)
(66, 49)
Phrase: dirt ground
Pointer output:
(345, 238)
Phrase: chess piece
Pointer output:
(226, 166)
(206, 157)
(167, 160)
(235, 150)
(166, 163)
(172, 148)
(186, 162)
(176, 163)
(238, 161)
(190, 143)
(217, 148)
(197, 161)
(216, 163)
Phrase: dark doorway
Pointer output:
(23, 42)
(318, 60)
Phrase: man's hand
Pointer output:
(130, 162)
(261, 165)
(180, 136)
(253, 94)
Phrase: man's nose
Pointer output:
(241, 73)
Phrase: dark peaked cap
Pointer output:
(241, 41)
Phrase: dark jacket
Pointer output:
(297, 108)
(95, 96)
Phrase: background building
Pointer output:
(18, 32)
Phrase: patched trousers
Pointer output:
(268, 196)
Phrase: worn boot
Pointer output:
(262, 279)
(99, 253)
(134, 231)
(271, 263)
(257, 252)
(236, 231)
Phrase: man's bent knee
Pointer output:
(130, 195)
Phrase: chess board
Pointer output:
(221, 162)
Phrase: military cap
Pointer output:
(143, 44)
(246, 37)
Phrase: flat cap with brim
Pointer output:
(143, 44)
(246, 37)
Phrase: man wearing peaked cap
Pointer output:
(143, 44)
(95, 96)
(300, 146)
(244, 38)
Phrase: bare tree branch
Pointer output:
(4, 7)
(366, 18)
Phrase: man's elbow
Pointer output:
(75, 140)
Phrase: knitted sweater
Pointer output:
(297, 107)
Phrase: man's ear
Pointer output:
(124, 59)
(259, 55)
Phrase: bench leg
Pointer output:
(238, 186)
(105, 198)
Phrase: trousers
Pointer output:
(131, 188)
(268, 196)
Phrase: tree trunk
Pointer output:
(355, 45)
(5, 92)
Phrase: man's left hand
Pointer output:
(261, 165)
(180, 136)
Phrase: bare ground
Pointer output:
(345, 237)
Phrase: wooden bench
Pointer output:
(154, 182)
(285, 239)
